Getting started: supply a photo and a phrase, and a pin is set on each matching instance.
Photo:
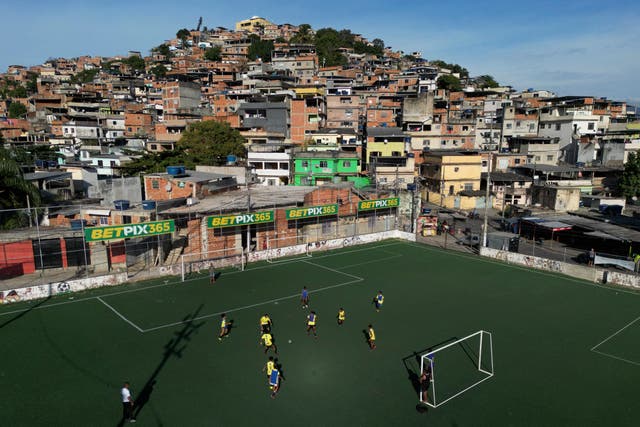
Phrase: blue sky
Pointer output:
(584, 47)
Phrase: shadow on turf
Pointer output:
(174, 348)
(24, 313)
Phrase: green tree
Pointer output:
(17, 92)
(135, 62)
(378, 44)
(159, 70)
(14, 191)
(486, 81)
(183, 34)
(455, 68)
(203, 143)
(303, 36)
(630, 180)
(213, 54)
(209, 142)
(32, 83)
(17, 110)
(260, 48)
(84, 76)
(327, 42)
(163, 49)
(449, 82)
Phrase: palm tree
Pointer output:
(14, 191)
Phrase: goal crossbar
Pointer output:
(429, 357)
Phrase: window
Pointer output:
(104, 220)
(557, 126)
(456, 169)
(100, 163)
(508, 125)
(468, 187)
(396, 154)
(591, 126)
(346, 164)
(550, 157)
(155, 184)
(537, 158)
(451, 190)
(305, 164)
(425, 142)
(113, 163)
(323, 164)
(465, 128)
(484, 164)
(154, 147)
(517, 161)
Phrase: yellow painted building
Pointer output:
(452, 178)
(252, 24)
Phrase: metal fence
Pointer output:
(53, 245)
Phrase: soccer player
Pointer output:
(341, 316)
(311, 323)
(224, 327)
(269, 367)
(304, 297)
(425, 381)
(212, 275)
(372, 338)
(274, 382)
(267, 341)
(265, 323)
(378, 300)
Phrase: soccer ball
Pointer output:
(290, 341)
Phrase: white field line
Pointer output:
(615, 333)
(120, 315)
(128, 291)
(616, 357)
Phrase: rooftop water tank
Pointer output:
(231, 159)
(149, 205)
(176, 170)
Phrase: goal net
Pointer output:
(199, 264)
(285, 248)
(454, 368)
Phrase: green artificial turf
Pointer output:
(63, 360)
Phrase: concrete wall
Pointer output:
(57, 288)
(577, 271)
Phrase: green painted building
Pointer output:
(318, 167)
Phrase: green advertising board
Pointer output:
(126, 231)
(312, 211)
(369, 205)
(240, 219)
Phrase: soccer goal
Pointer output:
(456, 367)
(200, 263)
(285, 248)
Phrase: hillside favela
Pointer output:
(193, 176)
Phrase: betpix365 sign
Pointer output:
(126, 231)
(312, 211)
(240, 219)
(369, 205)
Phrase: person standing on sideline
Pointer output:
(372, 338)
(265, 323)
(224, 327)
(267, 341)
(311, 323)
(212, 275)
(378, 300)
(127, 403)
(304, 297)
(341, 316)
(592, 257)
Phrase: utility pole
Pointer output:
(486, 202)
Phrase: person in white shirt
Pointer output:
(127, 404)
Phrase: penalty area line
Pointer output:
(120, 315)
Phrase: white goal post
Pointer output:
(282, 247)
(202, 262)
(482, 341)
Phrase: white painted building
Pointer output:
(270, 168)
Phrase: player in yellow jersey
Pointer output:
(269, 367)
(268, 342)
(225, 326)
(265, 323)
(312, 318)
(341, 316)
(372, 338)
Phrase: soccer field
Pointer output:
(566, 352)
